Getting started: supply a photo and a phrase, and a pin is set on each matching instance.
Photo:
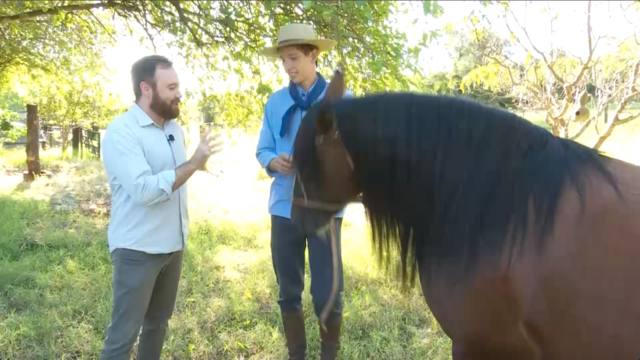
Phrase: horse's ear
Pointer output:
(336, 86)
(325, 120)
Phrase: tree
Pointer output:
(71, 97)
(201, 28)
(36, 35)
(475, 71)
(564, 84)
(219, 37)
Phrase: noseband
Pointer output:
(314, 204)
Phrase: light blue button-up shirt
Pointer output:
(270, 145)
(140, 161)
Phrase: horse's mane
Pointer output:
(450, 180)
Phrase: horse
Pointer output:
(526, 245)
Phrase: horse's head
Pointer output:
(324, 181)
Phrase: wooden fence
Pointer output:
(85, 142)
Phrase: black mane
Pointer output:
(447, 180)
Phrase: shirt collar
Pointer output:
(304, 93)
(142, 117)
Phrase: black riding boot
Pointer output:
(293, 323)
(330, 339)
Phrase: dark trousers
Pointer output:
(144, 295)
(288, 243)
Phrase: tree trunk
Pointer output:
(33, 143)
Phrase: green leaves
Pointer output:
(51, 35)
(431, 7)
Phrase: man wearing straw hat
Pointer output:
(298, 48)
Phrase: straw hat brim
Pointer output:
(321, 44)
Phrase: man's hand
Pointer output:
(209, 144)
(281, 164)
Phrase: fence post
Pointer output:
(46, 130)
(76, 141)
(96, 134)
(33, 144)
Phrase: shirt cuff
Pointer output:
(166, 179)
(265, 163)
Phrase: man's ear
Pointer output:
(145, 87)
(336, 87)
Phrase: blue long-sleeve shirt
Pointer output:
(270, 145)
(146, 214)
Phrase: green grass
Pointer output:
(15, 158)
(55, 287)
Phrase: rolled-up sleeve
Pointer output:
(126, 165)
(266, 150)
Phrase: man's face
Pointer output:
(299, 67)
(165, 100)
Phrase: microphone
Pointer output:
(170, 138)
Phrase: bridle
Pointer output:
(333, 208)
(315, 204)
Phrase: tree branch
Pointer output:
(623, 104)
(587, 63)
(106, 30)
(582, 129)
(535, 48)
(62, 8)
(628, 119)
(186, 22)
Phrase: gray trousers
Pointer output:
(144, 295)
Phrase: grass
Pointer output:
(55, 284)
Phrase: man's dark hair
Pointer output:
(306, 48)
(145, 70)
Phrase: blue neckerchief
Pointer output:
(298, 103)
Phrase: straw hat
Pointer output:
(298, 34)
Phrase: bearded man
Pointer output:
(144, 157)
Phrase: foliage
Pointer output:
(240, 109)
(6, 117)
(49, 40)
(13, 134)
(54, 60)
(9, 132)
(474, 73)
(218, 37)
(72, 96)
(10, 101)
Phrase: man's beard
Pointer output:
(167, 110)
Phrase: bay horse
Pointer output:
(526, 245)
